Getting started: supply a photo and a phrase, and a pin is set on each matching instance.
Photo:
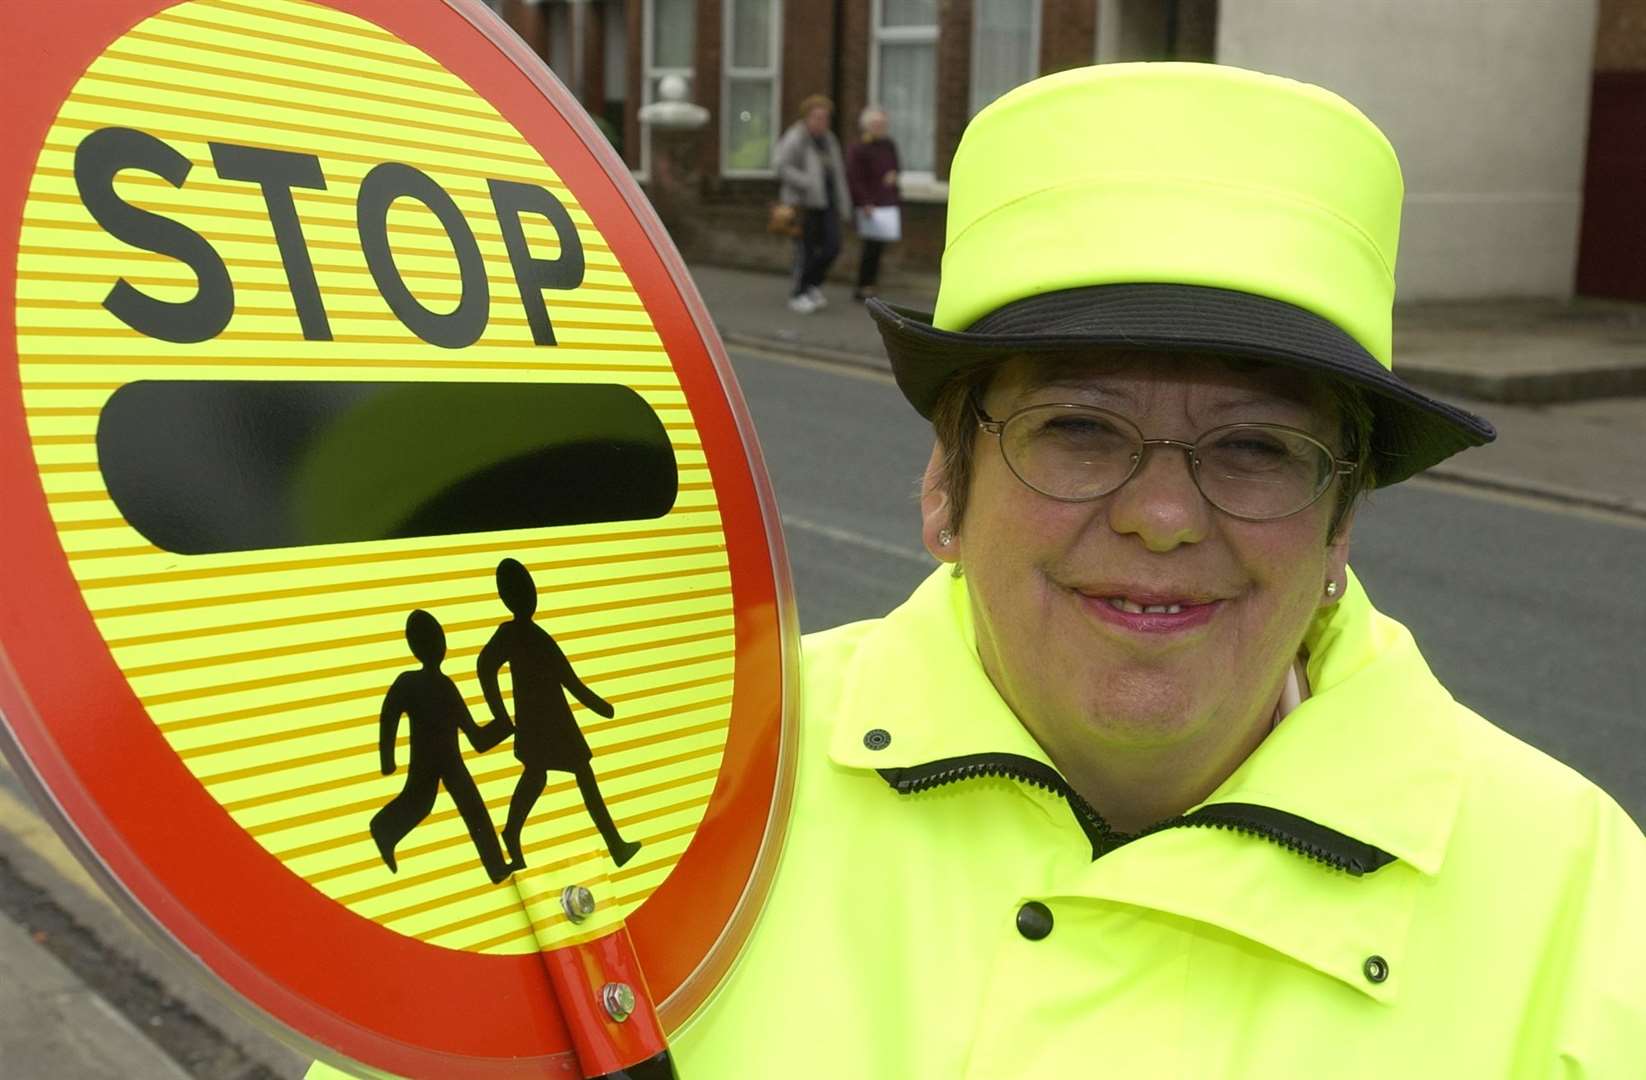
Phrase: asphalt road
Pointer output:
(1532, 614)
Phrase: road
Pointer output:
(1531, 614)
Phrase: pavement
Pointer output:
(85, 993)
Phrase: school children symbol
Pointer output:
(546, 735)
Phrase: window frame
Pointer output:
(902, 35)
(773, 74)
(650, 75)
(1036, 19)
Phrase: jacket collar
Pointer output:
(1372, 754)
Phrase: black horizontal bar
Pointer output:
(212, 466)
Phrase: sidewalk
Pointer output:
(1554, 378)
(86, 994)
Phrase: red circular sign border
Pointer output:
(105, 781)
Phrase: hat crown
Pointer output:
(1193, 174)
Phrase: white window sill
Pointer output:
(918, 188)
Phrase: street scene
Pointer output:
(1517, 566)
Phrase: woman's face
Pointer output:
(876, 125)
(1045, 576)
(817, 120)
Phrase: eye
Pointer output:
(1067, 426)
(1256, 444)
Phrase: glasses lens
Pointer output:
(1070, 452)
(1259, 471)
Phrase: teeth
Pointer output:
(1122, 604)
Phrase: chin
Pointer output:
(1142, 711)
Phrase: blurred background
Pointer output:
(1521, 124)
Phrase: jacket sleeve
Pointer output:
(859, 164)
(790, 159)
(1604, 1000)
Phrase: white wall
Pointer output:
(1485, 101)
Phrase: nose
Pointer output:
(1160, 504)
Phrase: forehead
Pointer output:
(1132, 374)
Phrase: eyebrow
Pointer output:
(1087, 389)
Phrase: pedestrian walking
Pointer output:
(871, 172)
(812, 172)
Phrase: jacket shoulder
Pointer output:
(1517, 783)
(826, 657)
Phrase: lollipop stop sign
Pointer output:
(392, 610)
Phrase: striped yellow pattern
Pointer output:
(265, 670)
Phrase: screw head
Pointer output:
(577, 902)
(618, 999)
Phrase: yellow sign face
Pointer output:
(268, 670)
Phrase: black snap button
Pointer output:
(1376, 969)
(877, 739)
(1034, 920)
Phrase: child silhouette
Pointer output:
(436, 710)
(546, 734)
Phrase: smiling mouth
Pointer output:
(1151, 614)
(1120, 603)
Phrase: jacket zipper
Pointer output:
(1296, 834)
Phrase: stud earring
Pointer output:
(1331, 588)
(944, 537)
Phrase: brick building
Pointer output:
(1487, 104)
(931, 64)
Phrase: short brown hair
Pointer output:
(815, 101)
(954, 422)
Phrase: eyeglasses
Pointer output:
(1075, 453)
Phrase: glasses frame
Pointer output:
(997, 428)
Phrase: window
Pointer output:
(903, 78)
(749, 116)
(669, 36)
(1005, 47)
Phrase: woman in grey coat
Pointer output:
(813, 175)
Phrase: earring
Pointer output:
(944, 537)
(1331, 588)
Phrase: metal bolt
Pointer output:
(577, 902)
(618, 998)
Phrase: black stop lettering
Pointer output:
(277, 172)
(531, 274)
(97, 159)
(392, 180)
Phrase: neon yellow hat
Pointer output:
(1184, 207)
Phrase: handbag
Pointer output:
(784, 220)
(882, 223)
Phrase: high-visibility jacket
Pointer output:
(1389, 885)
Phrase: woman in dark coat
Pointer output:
(871, 173)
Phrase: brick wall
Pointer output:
(1068, 34)
(637, 78)
(593, 90)
(711, 22)
(808, 55)
(1620, 36)
(854, 64)
(527, 21)
(954, 78)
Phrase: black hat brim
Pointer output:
(1411, 431)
